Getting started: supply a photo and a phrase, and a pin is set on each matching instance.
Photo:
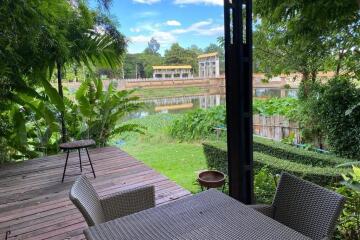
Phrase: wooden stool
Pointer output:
(77, 145)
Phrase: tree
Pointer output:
(178, 55)
(296, 35)
(327, 105)
(83, 37)
(194, 48)
(275, 53)
(36, 38)
(153, 47)
(148, 61)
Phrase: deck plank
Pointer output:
(34, 204)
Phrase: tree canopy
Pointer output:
(305, 36)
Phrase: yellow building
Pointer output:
(183, 71)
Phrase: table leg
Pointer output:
(67, 157)
(90, 162)
(80, 159)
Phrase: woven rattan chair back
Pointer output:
(85, 198)
(306, 207)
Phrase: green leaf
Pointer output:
(54, 96)
(19, 126)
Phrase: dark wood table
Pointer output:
(207, 215)
(80, 144)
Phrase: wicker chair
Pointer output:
(97, 210)
(304, 207)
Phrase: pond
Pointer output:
(178, 104)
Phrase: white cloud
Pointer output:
(135, 30)
(146, 14)
(147, 30)
(146, 1)
(206, 2)
(164, 38)
(173, 23)
(204, 28)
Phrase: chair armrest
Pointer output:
(128, 202)
(267, 210)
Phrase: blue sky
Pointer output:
(187, 22)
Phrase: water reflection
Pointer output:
(178, 104)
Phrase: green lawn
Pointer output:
(180, 162)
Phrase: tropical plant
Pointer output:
(349, 224)
(287, 107)
(199, 123)
(28, 128)
(86, 38)
(36, 38)
(98, 111)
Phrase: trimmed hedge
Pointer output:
(284, 151)
(216, 157)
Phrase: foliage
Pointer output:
(294, 154)
(264, 186)
(139, 65)
(201, 123)
(306, 36)
(352, 180)
(198, 124)
(216, 157)
(349, 224)
(101, 111)
(37, 37)
(177, 55)
(308, 115)
(27, 128)
(327, 105)
(153, 46)
(349, 221)
(287, 107)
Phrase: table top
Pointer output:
(77, 144)
(207, 215)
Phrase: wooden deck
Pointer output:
(34, 204)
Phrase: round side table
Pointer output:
(77, 145)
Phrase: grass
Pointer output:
(180, 162)
(169, 92)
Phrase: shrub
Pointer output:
(198, 124)
(349, 224)
(349, 221)
(216, 157)
(284, 151)
(98, 114)
(287, 107)
(264, 186)
(325, 108)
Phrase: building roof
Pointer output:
(206, 55)
(171, 67)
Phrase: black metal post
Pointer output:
(238, 72)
